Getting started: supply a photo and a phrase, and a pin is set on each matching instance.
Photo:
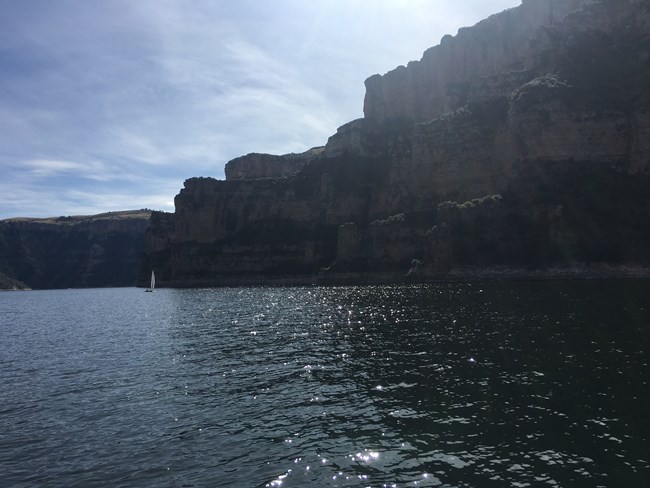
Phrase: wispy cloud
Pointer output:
(42, 168)
(28, 200)
(109, 105)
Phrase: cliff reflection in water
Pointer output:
(471, 385)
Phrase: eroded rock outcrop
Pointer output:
(256, 165)
(521, 143)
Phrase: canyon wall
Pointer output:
(518, 147)
(73, 252)
(443, 80)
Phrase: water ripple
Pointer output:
(505, 384)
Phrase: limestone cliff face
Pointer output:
(74, 252)
(255, 165)
(241, 231)
(442, 80)
(520, 143)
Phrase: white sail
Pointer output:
(153, 280)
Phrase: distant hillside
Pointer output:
(73, 252)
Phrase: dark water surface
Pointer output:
(454, 385)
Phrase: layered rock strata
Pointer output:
(520, 144)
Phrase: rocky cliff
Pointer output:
(520, 146)
(74, 252)
(256, 165)
(447, 76)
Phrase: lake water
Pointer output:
(454, 385)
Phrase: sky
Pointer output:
(110, 105)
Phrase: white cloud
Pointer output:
(105, 104)
(49, 167)
(137, 147)
(34, 201)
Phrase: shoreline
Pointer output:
(456, 275)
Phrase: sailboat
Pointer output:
(153, 282)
